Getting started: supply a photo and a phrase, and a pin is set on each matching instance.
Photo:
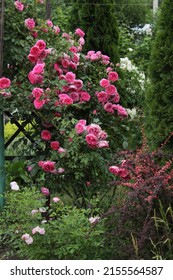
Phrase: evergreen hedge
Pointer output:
(159, 97)
(98, 21)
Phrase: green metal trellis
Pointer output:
(2, 148)
(20, 127)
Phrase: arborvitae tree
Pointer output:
(133, 12)
(98, 20)
(159, 98)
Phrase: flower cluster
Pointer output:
(120, 171)
(109, 96)
(49, 166)
(94, 135)
(5, 83)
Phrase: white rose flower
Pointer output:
(14, 186)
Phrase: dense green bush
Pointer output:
(159, 105)
(98, 20)
(69, 233)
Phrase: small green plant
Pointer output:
(55, 231)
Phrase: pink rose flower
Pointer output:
(82, 121)
(19, 6)
(27, 238)
(46, 135)
(39, 230)
(38, 68)
(45, 191)
(49, 23)
(80, 128)
(79, 32)
(54, 145)
(81, 41)
(111, 90)
(35, 51)
(74, 96)
(105, 57)
(94, 129)
(65, 63)
(116, 98)
(103, 144)
(41, 45)
(70, 77)
(85, 96)
(73, 49)
(37, 92)
(78, 83)
(65, 99)
(32, 58)
(61, 150)
(60, 170)
(102, 96)
(113, 76)
(75, 58)
(56, 199)
(30, 23)
(4, 83)
(91, 140)
(40, 163)
(108, 107)
(38, 104)
(49, 166)
(94, 57)
(104, 83)
(121, 110)
(56, 29)
(114, 170)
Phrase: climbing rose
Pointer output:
(41, 45)
(39, 230)
(45, 191)
(49, 23)
(103, 144)
(38, 104)
(37, 92)
(85, 96)
(55, 199)
(70, 77)
(104, 83)
(80, 128)
(46, 135)
(27, 238)
(79, 32)
(113, 76)
(54, 145)
(38, 68)
(19, 6)
(48, 166)
(30, 23)
(4, 83)
(91, 139)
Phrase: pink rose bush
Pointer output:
(94, 135)
(73, 102)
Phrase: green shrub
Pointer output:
(159, 105)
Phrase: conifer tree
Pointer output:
(159, 97)
(98, 20)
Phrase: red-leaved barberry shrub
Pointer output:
(148, 181)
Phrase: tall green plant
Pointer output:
(159, 105)
(99, 21)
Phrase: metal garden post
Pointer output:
(2, 146)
